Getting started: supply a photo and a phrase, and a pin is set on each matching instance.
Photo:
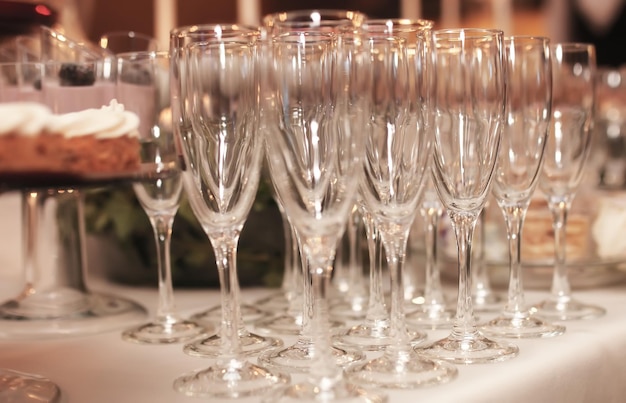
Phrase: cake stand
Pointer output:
(56, 299)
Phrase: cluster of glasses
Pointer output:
(356, 122)
(370, 122)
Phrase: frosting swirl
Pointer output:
(24, 118)
(33, 119)
(107, 122)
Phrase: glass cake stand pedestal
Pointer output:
(56, 300)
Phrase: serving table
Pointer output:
(586, 364)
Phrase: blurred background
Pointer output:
(601, 22)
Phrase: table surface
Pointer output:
(586, 364)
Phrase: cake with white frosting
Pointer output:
(92, 141)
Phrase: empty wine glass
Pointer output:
(378, 330)
(224, 165)
(180, 38)
(567, 151)
(143, 87)
(314, 154)
(397, 157)
(524, 137)
(326, 20)
(297, 357)
(467, 108)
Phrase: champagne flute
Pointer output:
(347, 280)
(377, 330)
(298, 356)
(468, 105)
(397, 158)
(143, 87)
(314, 155)
(180, 39)
(524, 137)
(567, 151)
(224, 161)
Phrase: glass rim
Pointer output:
(323, 37)
(219, 44)
(529, 38)
(400, 22)
(198, 29)
(575, 46)
(93, 53)
(283, 17)
(143, 55)
(470, 33)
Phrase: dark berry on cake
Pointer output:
(76, 75)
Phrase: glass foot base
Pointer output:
(406, 370)
(527, 326)
(277, 302)
(354, 310)
(165, 332)
(53, 314)
(372, 337)
(249, 314)
(476, 349)
(487, 301)
(340, 392)
(298, 357)
(567, 309)
(286, 324)
(431, 317)
(235, 380)
(250, 344)
(26, 388)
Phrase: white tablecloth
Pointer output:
(586, 364)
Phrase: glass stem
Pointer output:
(308, 299)
(355, 269)
(225, 247)
(514, 218)
(433, 292)
(560, 282)
(395, 248)
(376, 310)
(481, 287)
(30, 218)
(324, 370)
(287, 285)
(295, 293)
(464, 224)
(162, 227)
